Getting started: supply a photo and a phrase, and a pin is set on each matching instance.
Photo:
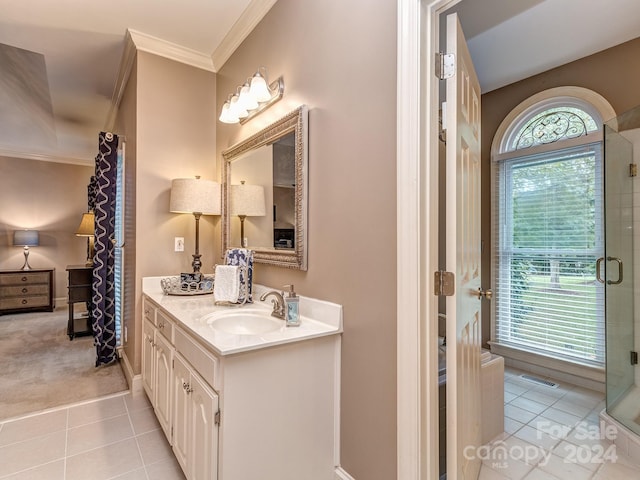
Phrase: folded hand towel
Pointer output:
(226, 286)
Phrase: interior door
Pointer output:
(463, 258)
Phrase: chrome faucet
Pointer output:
(277, 301)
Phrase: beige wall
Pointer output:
(49, 197)
(339, 58)
(613, 73)
(173, 107)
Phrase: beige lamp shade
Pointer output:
(87, 225)
(193, 195)
(247, 200)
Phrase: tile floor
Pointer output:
(553, 434)
(117, 437)
(550, 434)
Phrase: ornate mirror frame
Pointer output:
(295, 121)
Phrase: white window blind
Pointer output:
(549, 226)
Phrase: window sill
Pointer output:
(572, 372)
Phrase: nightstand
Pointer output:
(80, 280)
(27, 290)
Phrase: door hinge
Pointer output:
(634, 358)
(444, 283)
(445, 65)
(633, 169)
(216, 418)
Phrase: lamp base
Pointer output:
(197, 263)
(26, 265)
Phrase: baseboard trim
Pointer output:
(342, 474)
(134, 381)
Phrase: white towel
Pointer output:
(226, 285)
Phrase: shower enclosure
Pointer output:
(617, 268)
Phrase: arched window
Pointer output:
(548, 227)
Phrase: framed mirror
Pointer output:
(264, 193)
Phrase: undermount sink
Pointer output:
(248, 322)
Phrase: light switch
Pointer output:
(179, 244)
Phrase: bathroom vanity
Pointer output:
(238, 394)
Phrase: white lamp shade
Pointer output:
(193, 195)
(26, 238)
(247, 200)
(247, 100)
(259, 89)
(236, 108)
(225, 114)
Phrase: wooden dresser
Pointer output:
(27, 290)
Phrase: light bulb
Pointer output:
(225, 114)
(237, 109)
(259, 89)
(246, 99)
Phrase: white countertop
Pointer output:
(318, 318)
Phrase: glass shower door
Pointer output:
(616, 270)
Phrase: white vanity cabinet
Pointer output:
(157, 359)
(268, 413)
(195, 414)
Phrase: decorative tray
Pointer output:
(187, 284)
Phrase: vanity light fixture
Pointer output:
(26, 239)
(199, 197)
(252, 98)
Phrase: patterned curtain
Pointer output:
(103, 299)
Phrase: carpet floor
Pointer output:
(42, 368)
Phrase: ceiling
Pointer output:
(60, 60)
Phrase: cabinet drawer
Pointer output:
(148, 311)
(201, 360)
(79, 276)
(165, 325)
(27, 289)
(24, 302)
(79, 294)
(24, 278)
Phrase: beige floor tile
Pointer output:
(165, 470)
(105, 462)
(510, 468)
(98, 434)
(561, 417)
(154, 447)
(537, 474)
(537, 437)
(32, 453)
(568, 406)
(511, 426)
(32, 427)
(518, 414)
(540, 397)
(144, 421)
(529, 405)
(514, 388)
(49, 471)
(96, 411)
(136, 402)
(137, 474)
(560, 468)
(487, 473)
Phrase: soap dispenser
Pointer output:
(292, 310)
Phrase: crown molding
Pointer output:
(252, 15)
(44, 157)
(172, 51)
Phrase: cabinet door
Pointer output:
(181, 377)
(148, 361)
(164, 357)
(204, 431)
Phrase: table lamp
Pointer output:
(26, 239)
(246, 201)
(199, 197)
(87, 229)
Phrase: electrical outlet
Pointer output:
(179, 244)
